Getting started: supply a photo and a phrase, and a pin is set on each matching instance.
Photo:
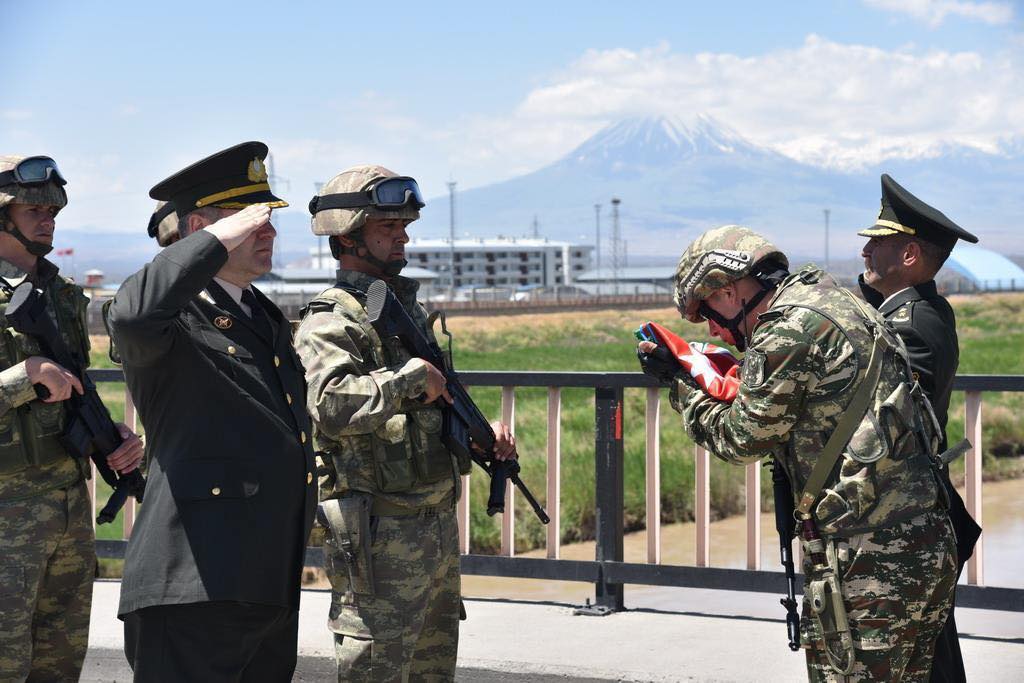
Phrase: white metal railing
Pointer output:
(702, 483)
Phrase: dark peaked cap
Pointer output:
(904, 214)
(233, 178)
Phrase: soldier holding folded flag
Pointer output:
(826, 390)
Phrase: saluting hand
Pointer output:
(128, 455)
(58, 380)
(232, 230)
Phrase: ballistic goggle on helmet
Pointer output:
(361, 192)
(31, 180)
(716, 259)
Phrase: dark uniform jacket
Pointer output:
(231, 493)
(927, 325)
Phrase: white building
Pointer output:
(507, 262)
(297, 286)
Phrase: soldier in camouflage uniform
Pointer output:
(163, 224)
(880, 574)
(47, 558)
(388, 485)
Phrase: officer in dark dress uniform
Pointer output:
(212, 571)
(909, 242)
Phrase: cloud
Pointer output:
(15, 114)
(934, 12)
(826, 103)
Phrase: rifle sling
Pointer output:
(843, 432)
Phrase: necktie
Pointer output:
(259, 316)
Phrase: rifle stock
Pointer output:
(464, 424)
(90, 431)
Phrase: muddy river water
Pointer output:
(1003, 539)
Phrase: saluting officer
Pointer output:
(909, 243)
(212, 571)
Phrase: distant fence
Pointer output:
(608, 572)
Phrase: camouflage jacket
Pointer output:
(807, 356)
(32, 460)
(370, 431)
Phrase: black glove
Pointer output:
(661, 365)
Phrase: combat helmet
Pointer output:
(345, 202)
(163, 224)
(719, 257)
(29, 180)
(359, 194)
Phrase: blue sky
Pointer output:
(124, 93)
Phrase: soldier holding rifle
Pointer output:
(388, 481)
(47, 555)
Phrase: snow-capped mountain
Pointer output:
(676, 179)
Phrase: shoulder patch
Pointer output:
(753, 372)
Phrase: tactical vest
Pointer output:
(885, 473)
(407, 449)
(29, 434)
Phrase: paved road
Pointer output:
(676, 634)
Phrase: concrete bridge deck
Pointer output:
(677, 634)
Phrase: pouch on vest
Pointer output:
(392, 449)
(348, 520)
(430, 456)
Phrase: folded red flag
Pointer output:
(714, 368)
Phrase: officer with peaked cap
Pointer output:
(47, 558)
(910, 241)
(388, 481)
(212, 570)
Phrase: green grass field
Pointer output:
(991, 332)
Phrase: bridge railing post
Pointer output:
(608, 481)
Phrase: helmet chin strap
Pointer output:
(739, 337)
(389, 268)
(37, 249)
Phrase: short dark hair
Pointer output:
(934, 255)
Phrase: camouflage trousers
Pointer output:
(47, 566)
(408, 628)
(897, 584)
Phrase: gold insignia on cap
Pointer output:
(257, 171)
(223, 322)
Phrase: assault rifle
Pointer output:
(785, 524)
(464, 424)
(90, 431)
